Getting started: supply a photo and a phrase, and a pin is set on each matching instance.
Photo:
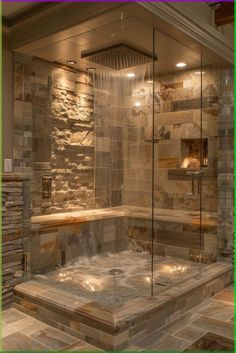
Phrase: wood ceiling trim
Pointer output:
(23, 15)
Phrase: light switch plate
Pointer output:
(7, 165)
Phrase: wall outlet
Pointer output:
(7, 165)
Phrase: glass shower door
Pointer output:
(179, 162)
(123, 160)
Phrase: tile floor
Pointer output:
(214, 317)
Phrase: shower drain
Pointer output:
(115, 271)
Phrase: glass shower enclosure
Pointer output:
(125, 164)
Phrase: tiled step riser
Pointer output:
(128, 331)
(177, 306)
(83, 328)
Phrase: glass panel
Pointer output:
(209, 194)
(131, 166)
(134, 155)
(22, 114)
(217, 193)
(87, 145)
(123, 111)
(180, 152)
(32, 146)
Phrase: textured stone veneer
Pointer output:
(72, 155)
(15, 233)
(54, 134)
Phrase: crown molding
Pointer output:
(187, 22)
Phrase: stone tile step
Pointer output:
(118, 328)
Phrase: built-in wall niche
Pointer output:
(191, 153)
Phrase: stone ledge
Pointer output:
(15, 176)
(56, 220)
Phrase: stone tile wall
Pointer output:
(175, 239)
(15, 234)
(54, 134)
(72, 155)
(88, 146)
(109, 129)
(137, 186)
(58, 134)
(226, 165)
(33, 124)
(58, 246)
(177, 117)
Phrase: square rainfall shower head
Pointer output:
(118, 57)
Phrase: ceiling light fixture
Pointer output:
(91, 69)
(181, 65)
(130, 74)
(71, 62)
(149, 81)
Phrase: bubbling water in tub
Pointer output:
(114, 278)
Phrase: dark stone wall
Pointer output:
(15, 233)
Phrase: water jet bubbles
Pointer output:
(92, 284)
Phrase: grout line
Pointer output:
(34, 340)
(165, 334)
(85, 344)
(50, 348)
(185, 326)
(223, 301)
(37, 342)
(198, 338)
(191, 320)
(201, 304)
(215, 321)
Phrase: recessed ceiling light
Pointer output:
(91, 69)
(199, 72)
(130, 74)
(137, 104)
(71, 62)
(181, 65)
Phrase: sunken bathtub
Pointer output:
(111, 276)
